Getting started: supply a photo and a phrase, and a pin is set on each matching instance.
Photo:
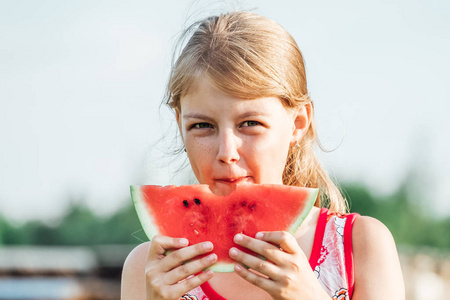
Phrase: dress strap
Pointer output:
(348, 249)
(318, 237)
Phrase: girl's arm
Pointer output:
(377, 268)
(133, 278)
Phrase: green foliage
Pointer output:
(79, 226)
(405, 218)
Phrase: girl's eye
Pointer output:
(250, 123)
(201, 125)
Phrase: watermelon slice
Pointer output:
(194, 212)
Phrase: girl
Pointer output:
(241, 103)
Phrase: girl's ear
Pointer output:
(302, 120)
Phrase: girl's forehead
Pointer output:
(201, 83)
(204, 83)
(204, 92)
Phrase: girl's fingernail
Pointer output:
(184, 242)
(233, 252)
(212, 257)
(237, 268)
(259, 235)
(238, 237)
(207, 246)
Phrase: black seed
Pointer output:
(185, 203)
(197, 201)
(252, 207)
(244, 203)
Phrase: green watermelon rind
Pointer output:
(308, 206)
(222, 267)
(146, 219)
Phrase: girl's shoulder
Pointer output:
(137, 255)
(366, 228)
(376, 262)
(370, 238)
(133, 278)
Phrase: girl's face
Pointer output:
(229, 140)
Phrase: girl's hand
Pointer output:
(289, 275)
(166, 276)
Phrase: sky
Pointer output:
(81, 84)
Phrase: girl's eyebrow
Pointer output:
(252, 113)
(195, 115)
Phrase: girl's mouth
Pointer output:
(235, 180)
(225, 186)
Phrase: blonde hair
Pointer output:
(249, 56)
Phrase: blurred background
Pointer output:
(81, 84)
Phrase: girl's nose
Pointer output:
(228, 146)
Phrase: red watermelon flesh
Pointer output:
(194, 212)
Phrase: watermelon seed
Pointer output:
(244, 203)
(252, 207)
(197, 201)
(185, 203)
(196, 232)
